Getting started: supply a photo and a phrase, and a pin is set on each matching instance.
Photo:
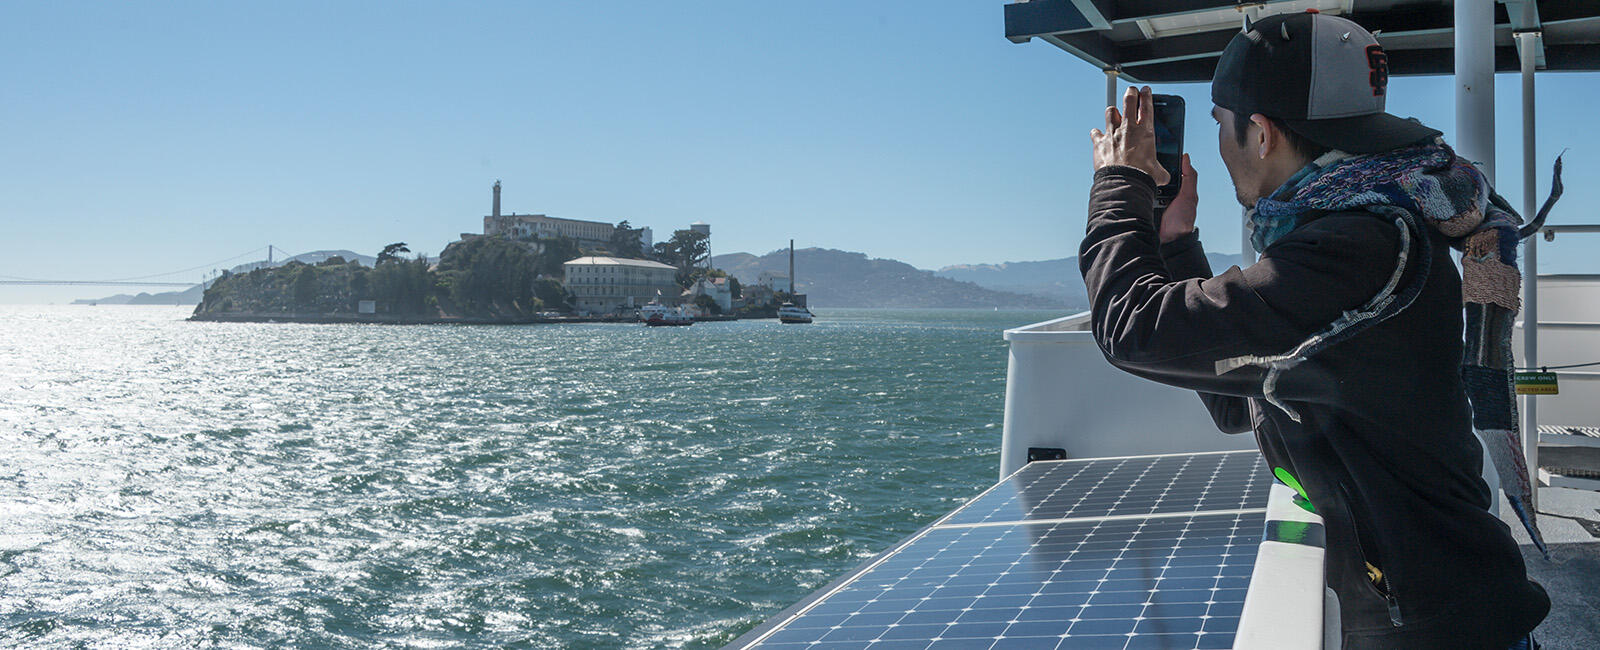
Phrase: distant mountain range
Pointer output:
(835, 278)
(1057, 279)
(192, 295)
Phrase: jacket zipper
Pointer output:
(1394, 606)
(1383, 577)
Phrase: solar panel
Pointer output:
(1107, 487)
(1101, 553)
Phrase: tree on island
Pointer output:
(557, 251)
(686, 250)
(489, 275)
(305, 287)
(391, 253)
(627, 241)
(552, 294)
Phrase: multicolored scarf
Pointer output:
(1425, 184)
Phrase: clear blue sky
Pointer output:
(147, 137)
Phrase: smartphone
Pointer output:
(1169, 144)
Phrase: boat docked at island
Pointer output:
(790, 313)
(674, 317)
(652, 309)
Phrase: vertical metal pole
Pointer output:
(1475, 83)
(1474, 79)
(1530, 259)
(1111, 87)
(1247, 251)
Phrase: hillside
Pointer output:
(835, 278)
(188, 296)
(484, 278)
(1057, 279)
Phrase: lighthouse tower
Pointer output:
(496, 211)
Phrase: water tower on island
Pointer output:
(704, 229)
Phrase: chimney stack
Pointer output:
(496, 212)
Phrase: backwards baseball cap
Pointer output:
(1324, 76)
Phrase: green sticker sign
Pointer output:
(1537, 383)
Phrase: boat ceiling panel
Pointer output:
(1112, 487)
(1179, 40)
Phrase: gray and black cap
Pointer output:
(1324, 76)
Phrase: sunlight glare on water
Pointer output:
(171, 484)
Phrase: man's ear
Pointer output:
(1266, 136)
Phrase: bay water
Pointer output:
(165, 483)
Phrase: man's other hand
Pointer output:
(1130, 136)
(1178, 220)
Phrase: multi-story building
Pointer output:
(605, 285)
(589, 234)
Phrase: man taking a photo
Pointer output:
(1342, 347)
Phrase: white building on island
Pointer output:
(718, 288)
(604, 285)
(775, 281)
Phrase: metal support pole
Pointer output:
(1474, 79)
(1247, 251)
(1526, 43)
(1475, 83)
(1111, 87)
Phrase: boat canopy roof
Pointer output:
(1149, 41)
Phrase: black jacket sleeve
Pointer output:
(1186, 259)
(1152, 323)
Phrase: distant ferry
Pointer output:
(789, 313)
(657, 315)
(652, 309)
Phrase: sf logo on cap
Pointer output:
(1378, 63)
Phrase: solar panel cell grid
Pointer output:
(1170, 582)
(1124, 486)
(1126, 553)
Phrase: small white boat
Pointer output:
(652, 309)
(675, 317)
(789, 313)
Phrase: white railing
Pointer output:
(1283, 609)
(1061, 393)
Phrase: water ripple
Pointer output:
(173, 484)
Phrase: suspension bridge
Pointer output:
(167, 279)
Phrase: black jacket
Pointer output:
(1384, 448)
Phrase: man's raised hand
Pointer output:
(1130, 136)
